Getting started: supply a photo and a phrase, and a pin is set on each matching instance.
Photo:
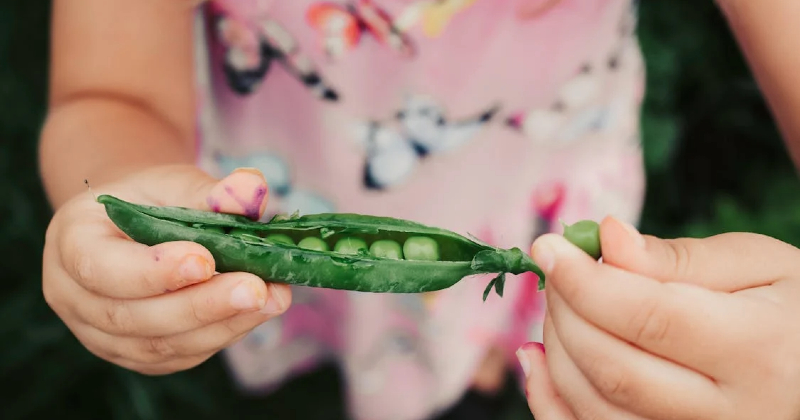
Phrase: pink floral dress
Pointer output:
(493, 118)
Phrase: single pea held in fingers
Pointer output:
(313, 243)
(386, 248)
(350, 246)
(585, 234)
(421, 248)
(331, 250)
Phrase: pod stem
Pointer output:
(514, 261)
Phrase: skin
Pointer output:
(132, 135)
(616, 334)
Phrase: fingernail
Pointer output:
(524, 362)
(195, 268)
(275, 304)
(253, 171)
(247, 296)
(637, 237)
(543, 256)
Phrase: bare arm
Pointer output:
(769, 35)
(121, 91)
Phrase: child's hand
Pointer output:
(155, 309)
(668, 329)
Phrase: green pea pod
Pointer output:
(237, 243)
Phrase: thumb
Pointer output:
(727, 262)
(244, 191)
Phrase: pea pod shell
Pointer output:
(282, 263)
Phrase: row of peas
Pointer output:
(415, 248)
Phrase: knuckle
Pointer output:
(160, 348)
(197, 313)
(83, 269)
(650, 323)
(202, 308)
(680, 256)
(117, 318)
(613, 381)
(151, 282)
(233, 326)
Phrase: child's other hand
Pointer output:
(158, 309)
(668, 329)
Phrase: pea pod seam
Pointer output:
(270, 251)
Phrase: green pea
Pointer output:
(585, 234)
(279, 238)
(386, 248)
(351, 246)
(421, 248)
(313, 243)
(442, 257)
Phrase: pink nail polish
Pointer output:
(523, 361)
(534, 345)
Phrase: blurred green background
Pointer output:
(714, 158)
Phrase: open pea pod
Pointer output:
(334, 250)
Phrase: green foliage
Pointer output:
(714, 158)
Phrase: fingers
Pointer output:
(244, 191)
(160, 355)
(217, 299)
(97, 255)
(658, 317)
(583, 398)
(626, 376)
(727, 262)
(129, 270)
(543, 400)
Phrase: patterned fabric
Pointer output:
(494, 118)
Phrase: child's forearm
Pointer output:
(103, 139)
(769, 35)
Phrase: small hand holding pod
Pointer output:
(336, 251)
